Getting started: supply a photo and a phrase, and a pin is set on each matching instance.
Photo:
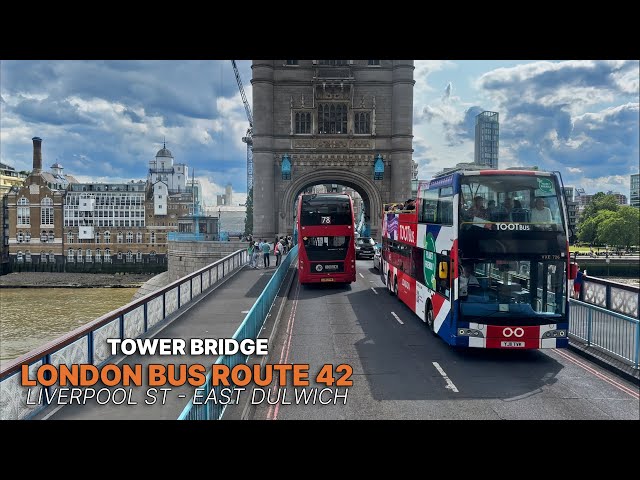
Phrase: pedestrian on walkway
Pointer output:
(577, 283)
(250, 253)
(277, 251)
(256, 254)
(265, 254)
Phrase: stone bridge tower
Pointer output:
(331, 120)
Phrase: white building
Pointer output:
(163, 169)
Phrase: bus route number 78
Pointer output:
(325, 220)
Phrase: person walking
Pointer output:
(250, 253)
(265, 254)
(256, 255)
(577, 283)
(277, 251)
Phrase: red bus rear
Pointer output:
(326, 244)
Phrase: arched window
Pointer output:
(98, 255)
(362, 123)
(119, 237)
(70, 255)
(129, 257)
(46, 211)
(153, 237)
(43, 257)
(27, 236)
(332, 118)
(44, 236)
(24, 212)
(27, 256)
(303, 122)
(20, 236)
(79, 255)
(107, 237)
(107, 255)
(138, 256)
(70, 236)
(52, 257)
(97, 236)
(89, 259)
(119, 255)
(139, 237)
(152, 256)
(20, 257)
(129, 237)
(52, 236)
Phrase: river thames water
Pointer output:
(31, 317)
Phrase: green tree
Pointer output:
(248, 221)
(588, 229)
(599, 202)
(622, 229)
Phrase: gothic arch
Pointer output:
(365, 186)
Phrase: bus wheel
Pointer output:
(430, 320)
(389, 283)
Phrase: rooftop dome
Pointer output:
(164, 152)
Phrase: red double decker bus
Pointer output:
(326, 244)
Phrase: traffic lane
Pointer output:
(325, 330)
(393, 363)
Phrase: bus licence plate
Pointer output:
(512, 344)
(326, 279)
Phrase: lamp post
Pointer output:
(219, 239)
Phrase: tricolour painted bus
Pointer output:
(326, 243)
(483, 259)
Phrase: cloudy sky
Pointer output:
(104, 120)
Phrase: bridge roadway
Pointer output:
(393, 356)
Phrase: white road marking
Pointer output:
(397, 318)
(361, 274)
(374, 290)
(450, 384)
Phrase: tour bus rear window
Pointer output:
(316, 209)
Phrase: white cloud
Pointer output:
(574, 170)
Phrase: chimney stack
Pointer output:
(37, 154)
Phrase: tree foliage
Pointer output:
(599, 202)
(248, 221)
(621, 229)
(588, 230)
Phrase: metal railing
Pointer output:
(249, 329)
(88, 344)
(613, 333)
(613, 296)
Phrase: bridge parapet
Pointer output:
(613, 296)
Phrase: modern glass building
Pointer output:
(487, 137)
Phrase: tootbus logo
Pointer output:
(511, 226)
(318, 268)
(406, 234)
(516, 332)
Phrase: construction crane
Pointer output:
(248, 139)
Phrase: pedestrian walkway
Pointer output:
(216, 315)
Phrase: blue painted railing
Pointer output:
(611, 332)
(88, 344)
(250, 328)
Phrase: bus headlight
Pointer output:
(470, 332)
(554, 334)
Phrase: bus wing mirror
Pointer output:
(442, 270)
